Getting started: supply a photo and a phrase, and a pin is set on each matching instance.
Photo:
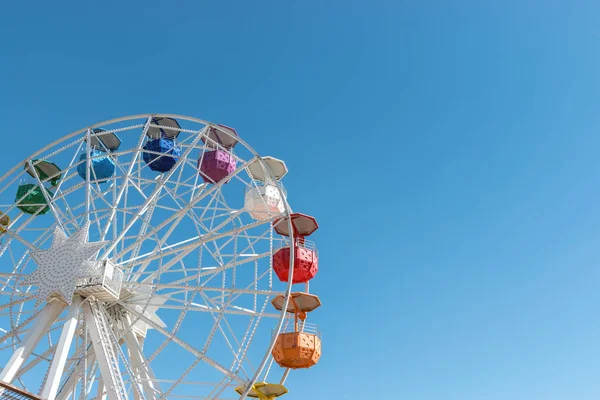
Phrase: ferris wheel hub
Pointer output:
(104, 284)
(63, 264)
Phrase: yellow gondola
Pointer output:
(264, 391)
(4, 222)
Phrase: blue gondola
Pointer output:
(101, 169)
(161, 154)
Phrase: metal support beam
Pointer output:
(140, 365)
(98, 327)
(42, 324)
(69, 387)
(101, 393)
(60, 356)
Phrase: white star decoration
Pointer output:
(59, 267)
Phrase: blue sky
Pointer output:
(449, 150)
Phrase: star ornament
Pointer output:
(59, 267)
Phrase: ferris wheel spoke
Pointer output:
(75, 371)
(173, 226)
(206, 271)
(91, 374)
(218, 320)
(211, 228)
(225, 213)
(19, 229)
(15, 286)
(189, 213)
(180, 342)
(99, 195)
(214, 253)
(235, 294)
(41, 325)
(156, 191)
(144, 227)
(141, 366)
(202, 187)
(186, 288)
(179, 215)
(241, 253)
(20, 239)
(36, 360)
(13, 303)
(182, 377)
(79, 143)
(208, 207)
(220, 203)
(95, 209)
(119, 196)
(249, 333)
(16, 292)
(240, 355)
(232, 310)
(58, 198)
(187, 246)
(220, 388)
(217, 326)
(191, 183)
(84, 354)
(216, 270)
(14, 275)
(194, 363)
(130, 180)
(20, 328)
(243, 250)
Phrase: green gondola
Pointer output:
(30, 199)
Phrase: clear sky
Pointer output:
(449, 150)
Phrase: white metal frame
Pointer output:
(185, 254)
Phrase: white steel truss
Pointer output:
(190, 271)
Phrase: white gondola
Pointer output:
(263, 200)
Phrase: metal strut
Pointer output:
(103, 347)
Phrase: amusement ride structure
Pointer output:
(153, 257)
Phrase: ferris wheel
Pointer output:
(153, 257)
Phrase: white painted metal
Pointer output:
(103, 348)
(101, 394)
(139, 365)
(61, 265)
(39, 328)
(175, 245)
(105, 285)
(74, 376)
(60, 355)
